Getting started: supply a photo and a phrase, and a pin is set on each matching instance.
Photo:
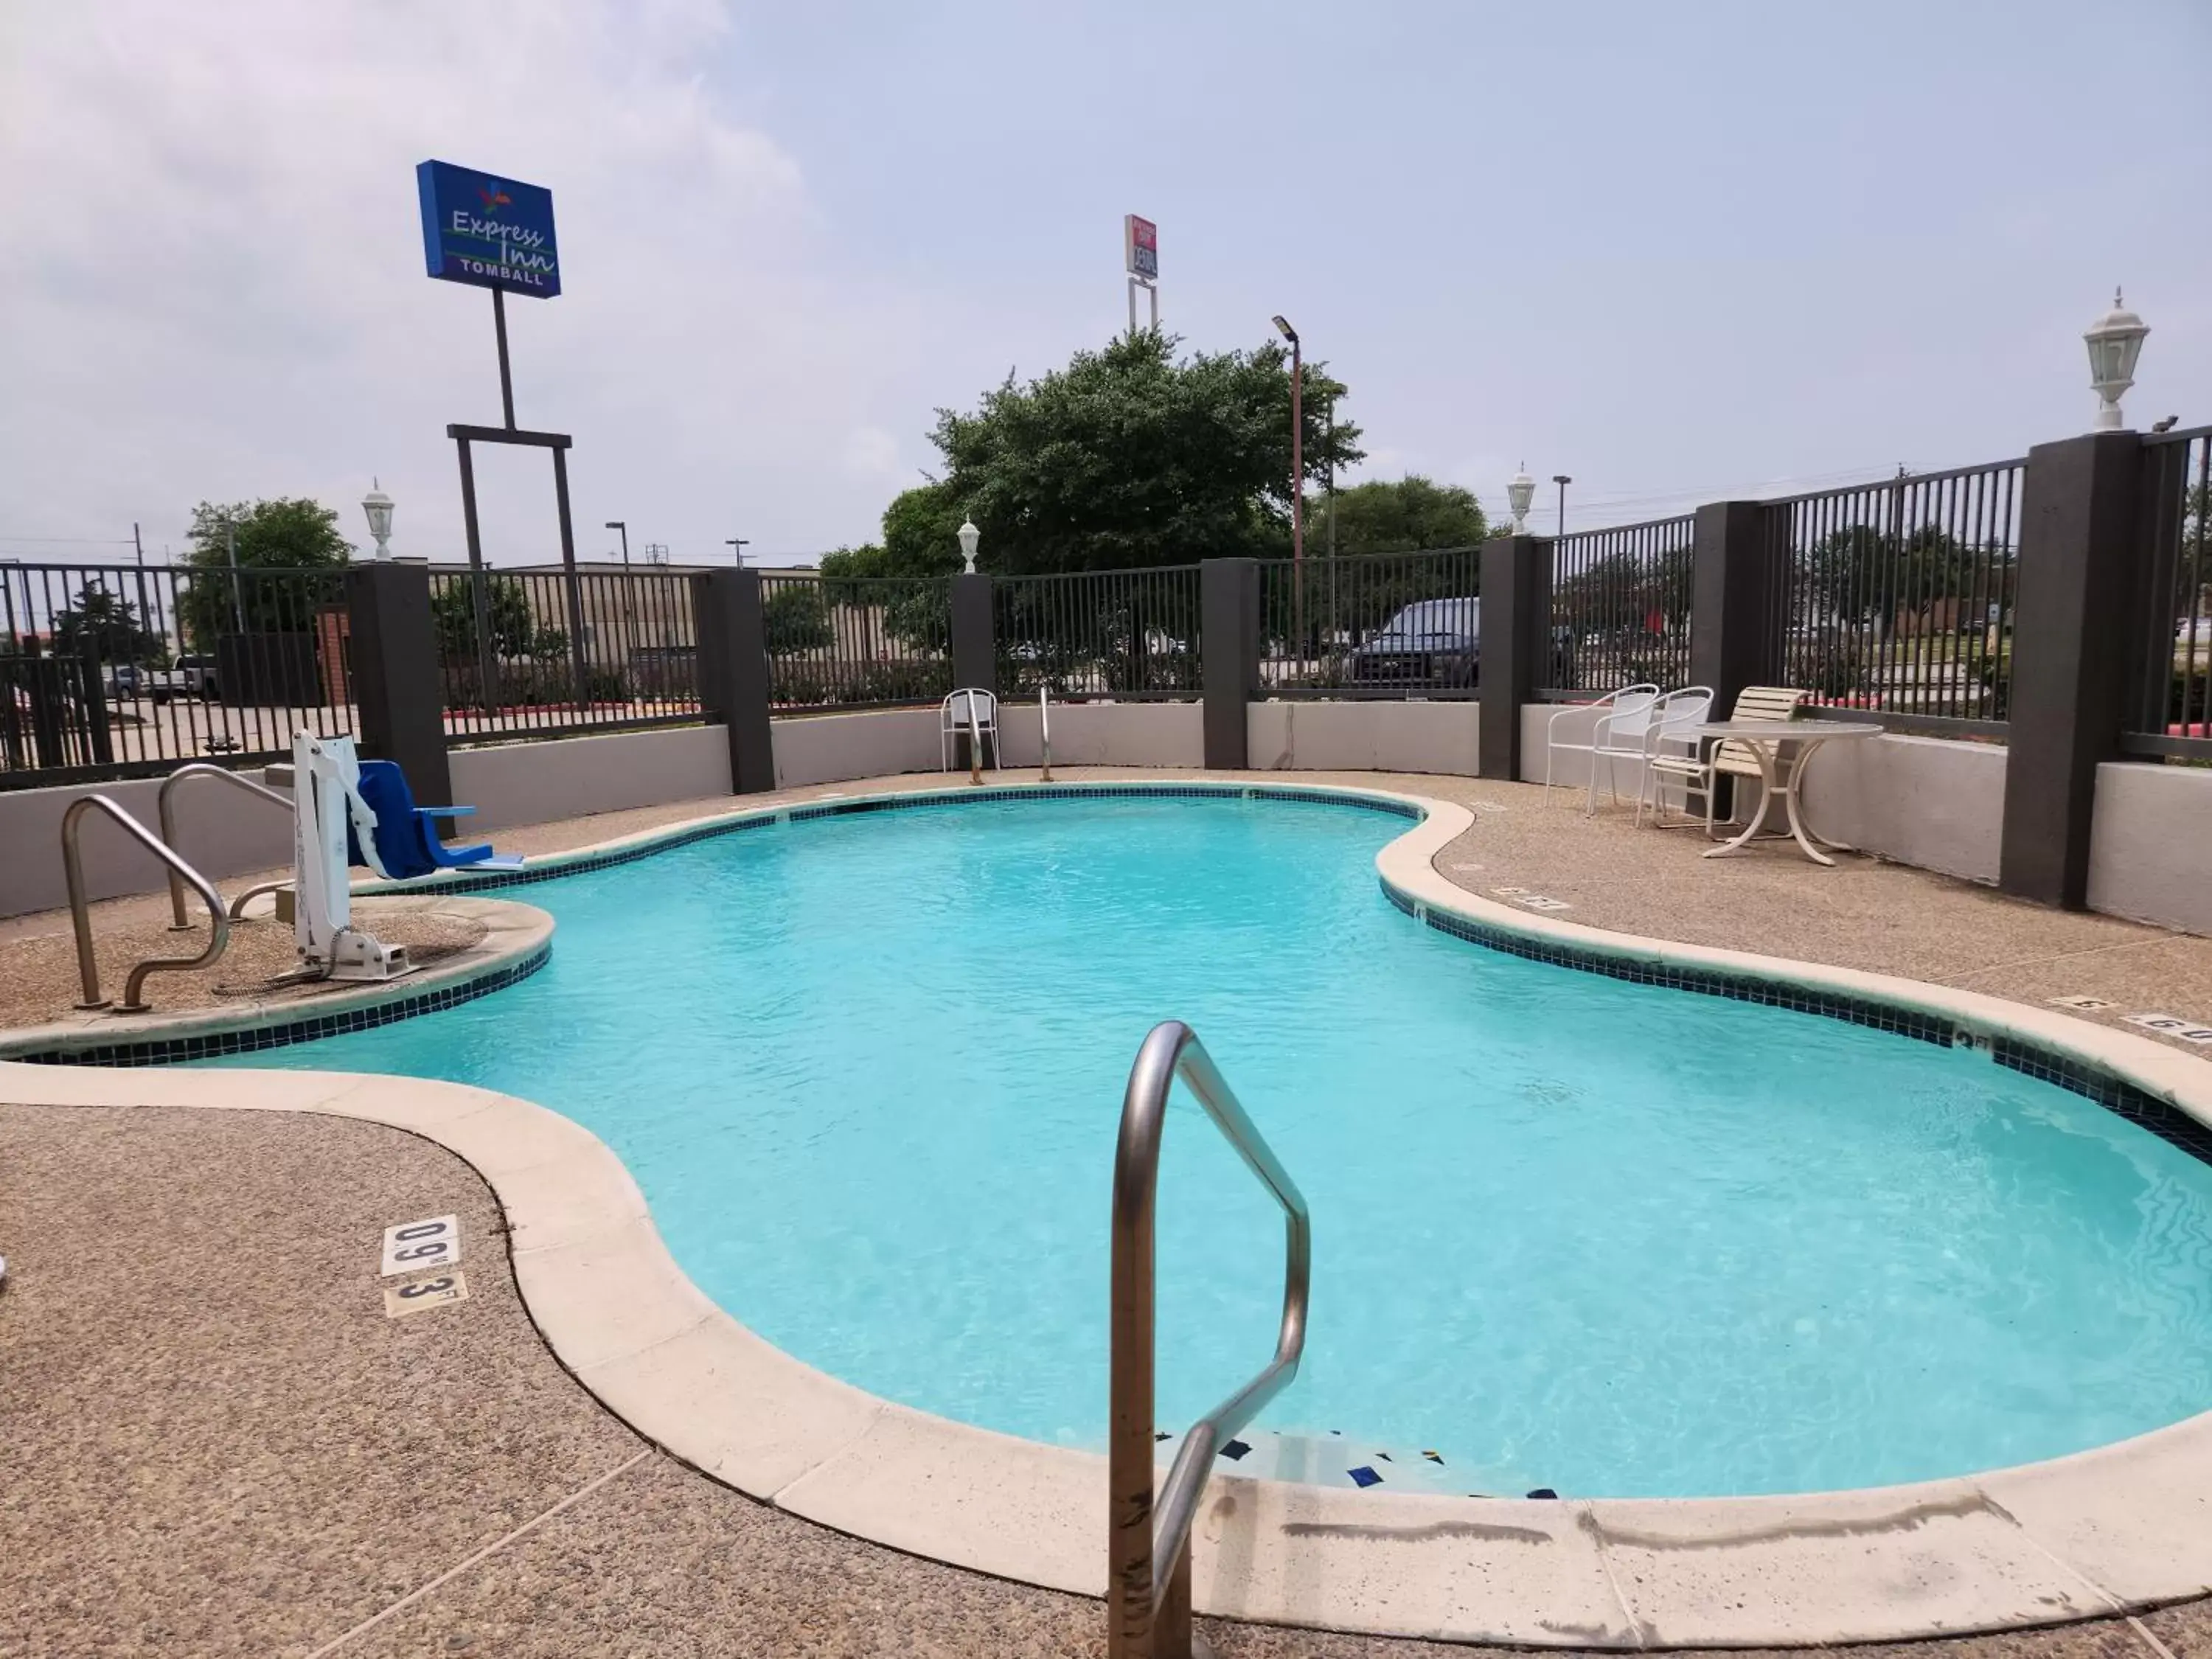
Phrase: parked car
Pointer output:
(1431, 641)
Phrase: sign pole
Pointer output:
(506, 375)
(577, 664)
(479, 592)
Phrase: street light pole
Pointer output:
(1563, 481)
(618, 523)
(1298, 486)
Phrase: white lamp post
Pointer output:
(1519, 495)
(2115, 341)
(969, 536)
(378, 506)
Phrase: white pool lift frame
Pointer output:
(325, 796)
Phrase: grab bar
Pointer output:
(87, 966)
(1044, 730)
(199, 768)
(1148, 1537)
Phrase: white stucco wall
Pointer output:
(2150, 847)
(569, 777)
(1304, 736)
(832, 748)
(1924, 801)
(222, 831)
(1108, 733)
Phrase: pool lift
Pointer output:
(326, 801)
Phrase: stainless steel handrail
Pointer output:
(1044, 730)
(199, 768)
(87, 966)
(1148, 1537)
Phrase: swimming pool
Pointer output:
(1569, 1231)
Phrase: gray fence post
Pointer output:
(732, 658)
(398, 689)
(1732, 600)
(2077, 584)
(974, 656)
(1228, 656)
(1515, 628)
(1733, 643)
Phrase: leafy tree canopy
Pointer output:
(1384, 517)
(1129, 457)
(290, 534)
(107, 627)
(287, 534)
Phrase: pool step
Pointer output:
(1329, 1458)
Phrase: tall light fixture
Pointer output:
(1519, 495)
(2115, 341)
(622, 525)
(969, 536)
(1563, 481)
(1297, 484)
(378, 506)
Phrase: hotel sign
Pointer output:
(487, 231)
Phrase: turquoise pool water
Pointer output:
(1568, 1231)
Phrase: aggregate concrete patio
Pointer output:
(218, 1443)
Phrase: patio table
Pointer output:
(1781, 749)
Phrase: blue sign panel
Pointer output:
(490, 232)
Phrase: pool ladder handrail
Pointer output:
(167, 814)
(87, 965)
(1148, 1535)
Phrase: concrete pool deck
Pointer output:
(2056, 1595)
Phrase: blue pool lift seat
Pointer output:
(407, 844)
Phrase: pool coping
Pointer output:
(2115, 1528)
(518, 941)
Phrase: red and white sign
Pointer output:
(1141, 246)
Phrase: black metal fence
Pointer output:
(120, 671)
(1620, 608)
(1371, 625)
(1127, 634)
(1894, 600)
(2170, 713)
(840, 641)
(542, 653)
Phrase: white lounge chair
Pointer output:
(1623, 700)
(969, 711)
(1701, 773)
(1671, 734)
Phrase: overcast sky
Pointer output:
(1676, 251)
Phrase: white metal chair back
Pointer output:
(1594, 712)
(1622, 727)
(970, 709)
(1675, 716)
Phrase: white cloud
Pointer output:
(212, 283)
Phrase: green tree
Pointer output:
(288, 554)
(1130, 457)
(514, 629)
(107, 626)
(795, 618)
(1396, 517)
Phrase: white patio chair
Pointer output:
(1672, 735)
(1619, 736)
(970, 709)
(1700, 774)
(1597, 712)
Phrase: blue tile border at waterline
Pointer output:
(207, 1045)
(2116, 1094)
